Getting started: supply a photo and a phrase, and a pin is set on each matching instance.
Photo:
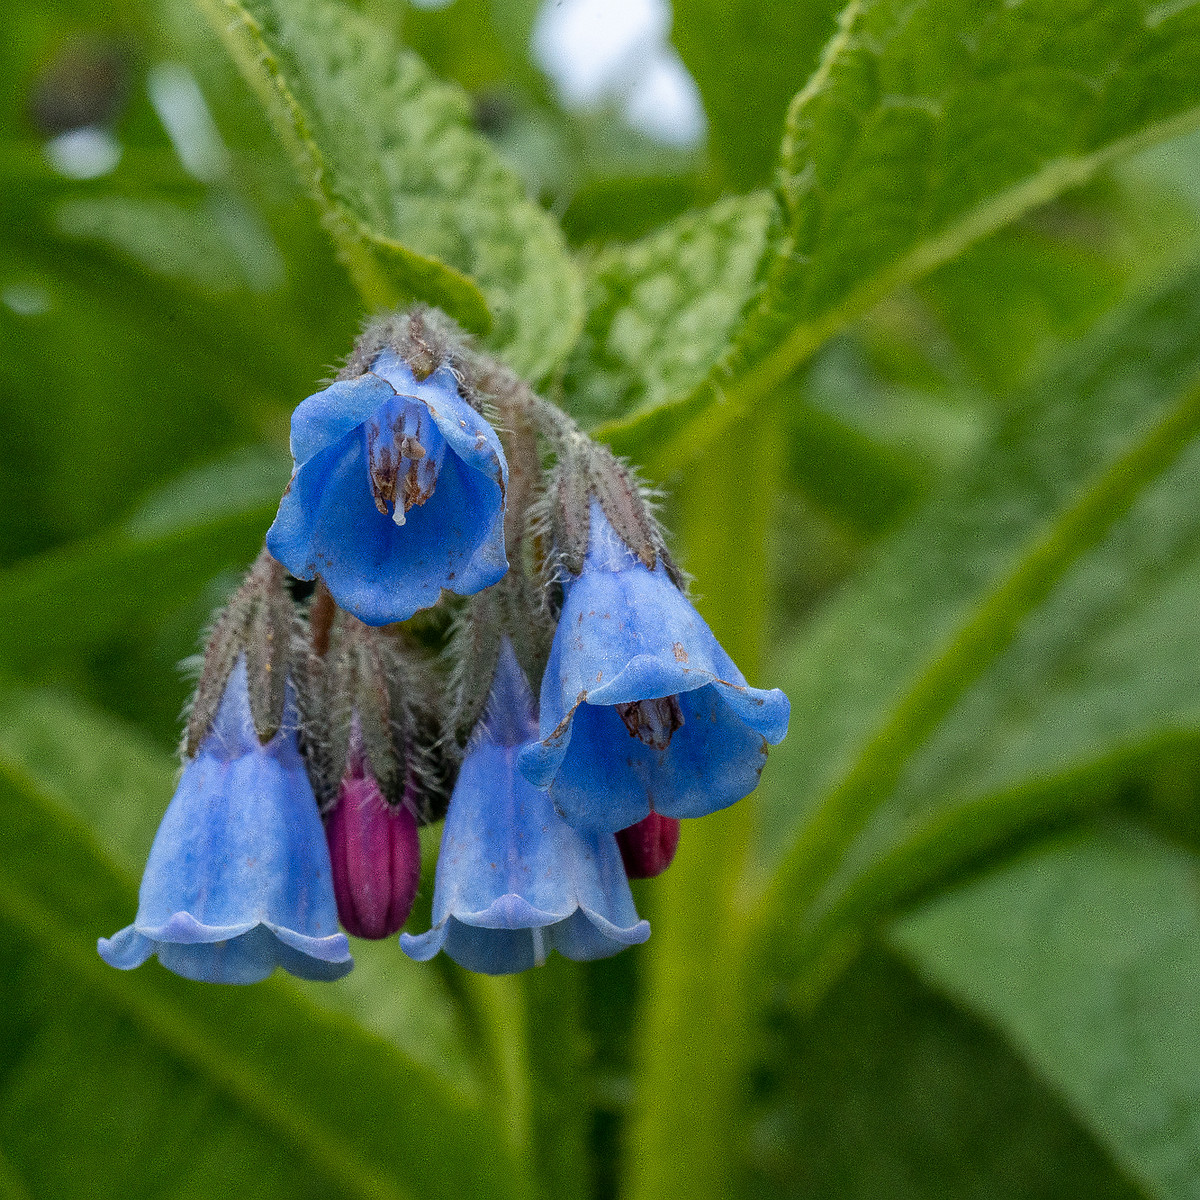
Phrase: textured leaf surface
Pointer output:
(662, 310)
(159, 1085)
(1026, 629)
(926, 127)
(1086, 953)
(417, 202)
(891, 1091)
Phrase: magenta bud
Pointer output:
(648, 847)
(376, 858)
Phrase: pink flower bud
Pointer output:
(376, 857)
(648, 847)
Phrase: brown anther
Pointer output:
(383, 473)
(652, 722)
(413, 493)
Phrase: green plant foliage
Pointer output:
(1060, 557)
(660, 310)
(913, 341)
(52, 593)
(891, 1091)
(749, 58)
(1086, 953)
(218, 250)
(417, 203)
(924, 129)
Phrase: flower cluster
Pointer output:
(324, 732)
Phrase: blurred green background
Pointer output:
(942, 489)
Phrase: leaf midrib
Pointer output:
(718, 403)
(1076, 789)
(869, 781)
(923, 833)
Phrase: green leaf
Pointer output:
(55, 603)
(218, 246)
(889, 1090)
(1086, 953)
(51, 488)
(1021, 642)
(926, 127)
(845, 473)
(749, 58)
(115, 614)
(661, 310)
(133, 347)
(1010, 297)
(158, 1084)
(629, 206)
(106, 773)
(418, 204)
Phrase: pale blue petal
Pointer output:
(329, 415)
(513, 879)
(328, 523)
(238, 880)
(626, 633)
(608, 778)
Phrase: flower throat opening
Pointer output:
(652, 722)
(405, 451)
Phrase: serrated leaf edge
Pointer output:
(432, 279)
(727, 396)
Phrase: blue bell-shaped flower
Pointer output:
(238, 881)
(397, 492)
(641, 709)
(514, 881)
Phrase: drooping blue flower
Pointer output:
(515, 881)
(238, 881)
(641, 708)
(397, 492)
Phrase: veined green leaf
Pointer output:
(1086, 953)
(661, 310)
(889, 1090)
(155, 1083)
(1023, 634)
(926, 127)
(418, 204)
